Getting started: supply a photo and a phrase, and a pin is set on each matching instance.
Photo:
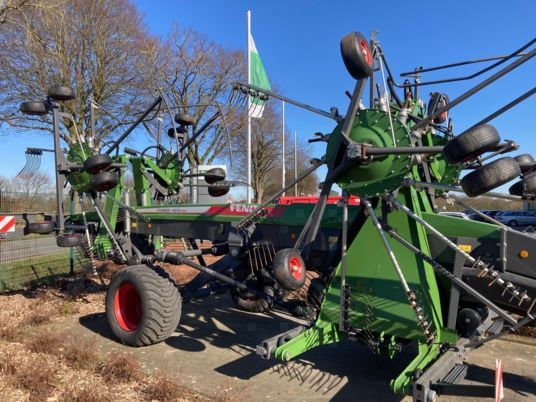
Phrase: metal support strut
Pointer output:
(89, 245)
(422, 320)
(107, 227)
(445, 272)
(344, 241)
(486, 269)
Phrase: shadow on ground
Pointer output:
(224, 338)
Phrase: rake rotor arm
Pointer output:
(477, 88)
(491, 194)
(316, 164)
(486, 270)
(502, 59)
(500, 111)
(200, 131)
(134, 125)
(443, 271)
(242, 87)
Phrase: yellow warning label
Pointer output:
(134, 224)
(465, 247)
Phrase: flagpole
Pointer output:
(249, 108)
(295, 163)
(283, 147)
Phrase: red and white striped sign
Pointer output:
(499, 390)
(7, 224)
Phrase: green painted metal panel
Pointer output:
(453, 227)
(291, 215)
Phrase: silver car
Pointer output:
(461, 215)
(517, 218)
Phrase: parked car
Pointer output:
(491, 213)
(461, 215)
(494, 214)
(517, 218)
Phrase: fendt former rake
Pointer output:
(389, 271)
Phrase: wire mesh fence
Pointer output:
(30, 260)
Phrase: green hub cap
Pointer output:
(384, 173)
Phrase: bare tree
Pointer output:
(97, 47)
(266, 157)
(10, 7)
(197, 74)
(30, 185)
(4, 182)
(306, 187)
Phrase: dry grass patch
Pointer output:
(46, 342)
(9, 332)
(68, 308)
(120, 367)
(80, 353)
(33, 375)
(160, 388)
(37, 317)
(73, 393)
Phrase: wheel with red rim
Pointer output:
(127, 307)
(357, 55)
(289, 269)
(143, 305)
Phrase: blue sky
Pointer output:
(298, 42)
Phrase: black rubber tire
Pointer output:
(104, 181)
(490, 176)
(525, 186)
(215, 174)
(512, 223)
(289, 269)
(181, 130)
(526, 162)
(43, 227)
(357, 56)
(34, 108)
(59, 93)
(516, 189)
(529, 181)
(218, 191)
(471, 144)
(69, 240)
(468, 321)
(160, 304)
(251, 302)
(97, 163)
(524, 158)
(184, 119)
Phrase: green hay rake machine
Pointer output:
(390, 272)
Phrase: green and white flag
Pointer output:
(257, 77)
